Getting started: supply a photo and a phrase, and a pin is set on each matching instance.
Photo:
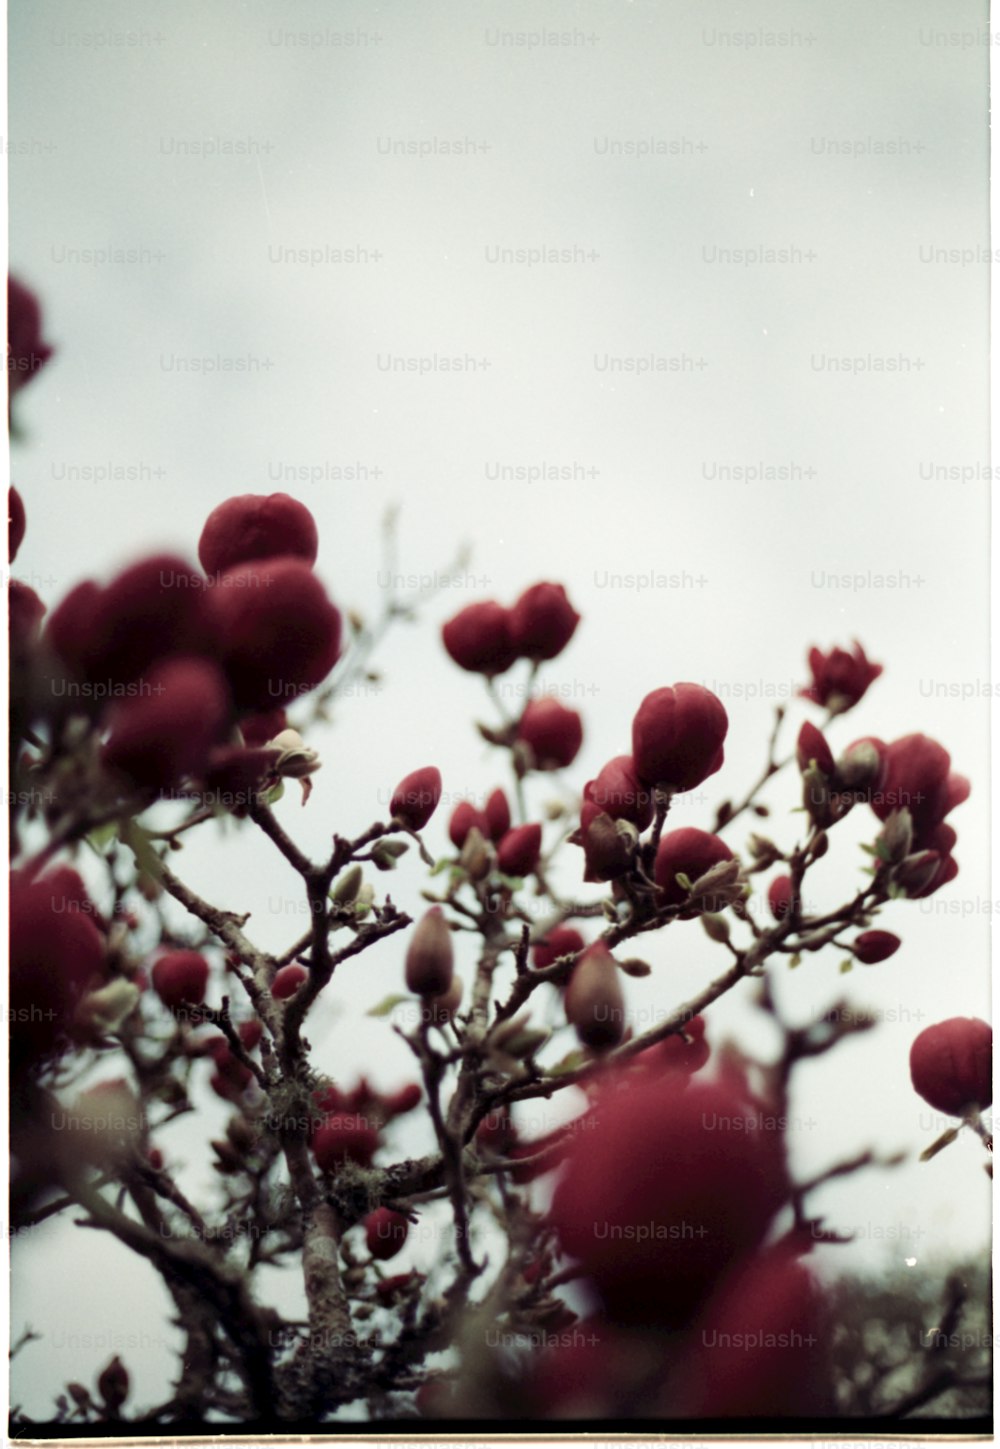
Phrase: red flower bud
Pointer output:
(385, 1233)
(26, 352)
(168, 729)
(951, 1064)
(497, 815)
(256, 526)
(343, 1138)
(231, 1079)
(15, 523)
(677, 736)
(155, 608)
(430, 959)
(464, 818)
(560, 941)
(56, 952)
(26, 614)
(180, 978)
(779, 896)
(70, 630)
(687, 852)
(408, 1097)
(542, 622)
(288, 980)
(621, 794)
(478, 638)
(416, 797)
(873, 946)
(518, 851)
(594, 1001)
(496, 1132)
(235, 776)
(696, 1160)
(251, 1033)
(840, 679)
(813, 746)
(280, 633)
(553, 732)
(758, 1349)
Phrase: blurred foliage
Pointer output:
(915, 1341)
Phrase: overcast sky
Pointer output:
(713, 279)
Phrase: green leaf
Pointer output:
(796, 960)
(441, 865)
(275, 794)
(387, 1004)
(512, 883)
(846, 965)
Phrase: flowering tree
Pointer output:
(655, 1249)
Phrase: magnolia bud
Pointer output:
(716, 927)
(951, 1065)
(874, 946)
(518, 851)
(347, 886)
(464, 818)
(430, 960)
(634, 967)
(439, 1010)
(385, 1233)
(296, 759)
(859, 767)
(917, 871)
(764, 851)
(288, 980)
(256, 526)
(594, 1001)
(416, 797)
(385, 853)
(497, 813)
(113, 1385)
(104, 1011)
(895, 840)
(813, 748)
(364, 900)
(608, 844)
(475, 856)
(721, 883)
(180, 979)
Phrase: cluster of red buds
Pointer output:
(349, 1123)
(178, 672)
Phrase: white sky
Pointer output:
(747, 146)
